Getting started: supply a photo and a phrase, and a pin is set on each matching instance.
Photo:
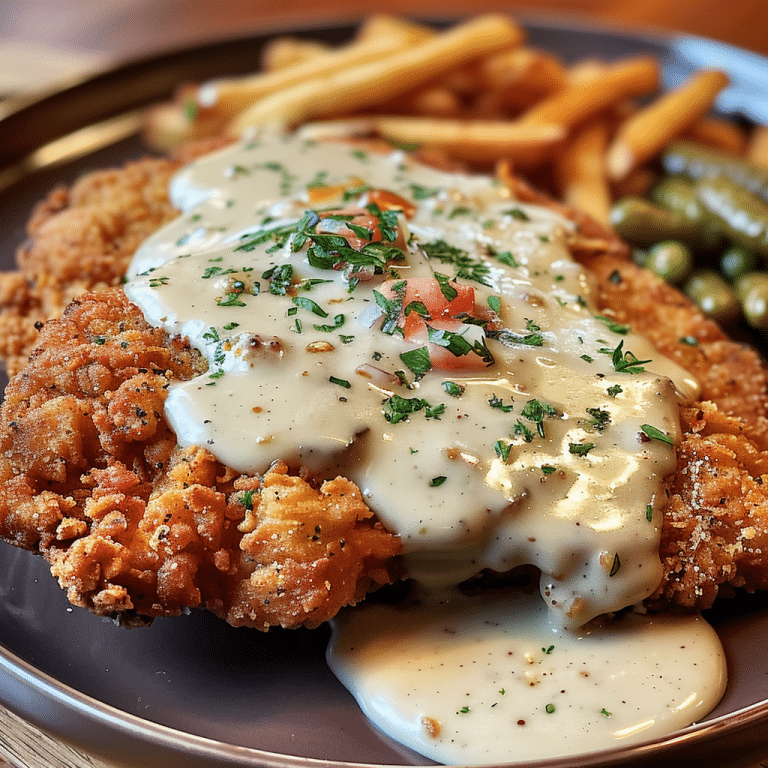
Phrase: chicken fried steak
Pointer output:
(135, 527)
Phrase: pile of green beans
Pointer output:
(704, 227)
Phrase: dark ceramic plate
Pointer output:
(193, 691)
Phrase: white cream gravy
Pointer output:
(473, 681)
(307, 374)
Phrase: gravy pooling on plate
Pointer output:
(430, 338)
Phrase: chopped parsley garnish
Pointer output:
(520, 430)
(457, 345)
(437, 481)
(312, 306)
(338, 321)
(614, 390)
(625, 362)
(507, 258)
(547, 469)
(536, 411)
(397, 408)
(417, 361)
(448, 291)
(391, 308)
(548, 650)
(496, 402)
(656, 434)
(494, 302)
(600, 419)
(518, 213)
(341, 382)
(549, 709)
(232, 299)
(605, 713)
(502, 449)
(510, 338)
(581, 449)
(613, 325)
(453, 389)
(649, 512)
(419, 308)
(421, 192)
(466, 267)
(280, 278)
(246, 499)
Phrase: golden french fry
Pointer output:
(580, 170)
(513, 81)
(586, 69)
(635, 184)
(476, 140)
(720, 134)
(383, 25)
(757, 151)
(587, 98)
(232, 96)
(349, 89)
(283, 52)
(434, 102)
(644, 134)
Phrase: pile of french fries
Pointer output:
(474, 93)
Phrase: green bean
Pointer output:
(671, 260)
(739, 214)
(754, 306)
(643, 224)
(736, 262)
(697, 162)
(748, 281)
(713, 295)
(678, 194)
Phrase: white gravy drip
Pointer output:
(468, 482)
(482, 680)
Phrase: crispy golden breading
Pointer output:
(716, 524)
(81, 239)
(134, 528)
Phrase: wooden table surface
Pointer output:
(119, 29)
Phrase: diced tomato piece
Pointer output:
(444, 314)
(428, 291)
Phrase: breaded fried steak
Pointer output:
(137, 520)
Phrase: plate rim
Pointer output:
(208, 750)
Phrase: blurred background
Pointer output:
(44, 40)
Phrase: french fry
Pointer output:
(230, 97)
(283, 52)
(586, 98)
(383, 25)
(584, 70)
(718, 133)
(757, 151)
(515, 80)
(644, 134)
(634, 184)
(580, 170)
(345, 90)
(476, 140)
